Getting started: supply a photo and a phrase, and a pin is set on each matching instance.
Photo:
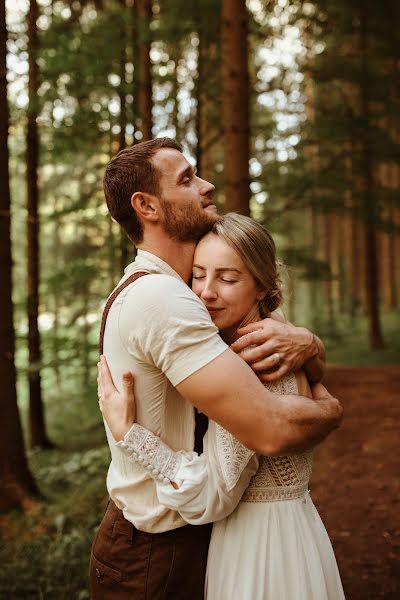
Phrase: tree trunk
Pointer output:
(199, 108)
(393, 239)
(144, 92)
(370, 211)
(175, 55)
(17, 485)
(208, 132)
(327, 249)
(37, 428)
(124, 242)
(235, 106)
(57, 244)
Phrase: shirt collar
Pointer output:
(150, 262)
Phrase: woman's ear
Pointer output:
(146, 206)
(261, 294)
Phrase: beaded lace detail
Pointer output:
(282, 477)
(139, 443)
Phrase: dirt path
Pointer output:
(356, 484)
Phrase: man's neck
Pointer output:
(178, 255)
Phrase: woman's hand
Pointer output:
(118, 408)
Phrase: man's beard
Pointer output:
(184, 224)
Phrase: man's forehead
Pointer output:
(169, 160)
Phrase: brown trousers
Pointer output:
(127, 563)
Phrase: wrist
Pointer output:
(310, 343)
(120, 432)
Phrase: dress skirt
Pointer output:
(276, 550)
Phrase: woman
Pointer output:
(274, 545)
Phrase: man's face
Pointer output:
(186, 200)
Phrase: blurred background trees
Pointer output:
(291, 108)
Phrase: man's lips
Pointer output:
(210, 206)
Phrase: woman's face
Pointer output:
(224, 283)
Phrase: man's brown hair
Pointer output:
(130, 171)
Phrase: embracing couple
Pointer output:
(194, 322)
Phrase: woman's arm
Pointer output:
(202, 488)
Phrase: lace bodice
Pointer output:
(208, 487)
(282, 477)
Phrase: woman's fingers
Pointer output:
(99, 382)
(105, 376)
(128, 384)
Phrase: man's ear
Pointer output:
(146, 206)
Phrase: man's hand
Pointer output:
(118, 408)
(274, 348)
(321, 395)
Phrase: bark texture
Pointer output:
(144, 95)
(235, 110)
(37, 428)
(370, 210)
(16, 482)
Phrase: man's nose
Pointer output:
(205, 187)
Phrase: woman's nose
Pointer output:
(208, 292)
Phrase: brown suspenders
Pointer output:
(111, 299)
(201, 419)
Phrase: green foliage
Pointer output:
(46, 552)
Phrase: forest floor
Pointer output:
(356, 483)
(356, 487)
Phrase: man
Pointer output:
(159, 330)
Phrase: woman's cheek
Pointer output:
(196, 288)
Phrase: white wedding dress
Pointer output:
(268, 541)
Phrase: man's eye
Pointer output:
(186, 181)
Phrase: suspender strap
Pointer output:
(201, 419)
(111, 299)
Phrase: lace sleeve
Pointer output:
(142, 446)
(208, 486)
(232, 455)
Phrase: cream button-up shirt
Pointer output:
(160, 330)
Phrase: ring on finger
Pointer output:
(278, 359)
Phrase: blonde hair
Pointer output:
(255, 246)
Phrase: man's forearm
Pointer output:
(268, 423)
(305, 422)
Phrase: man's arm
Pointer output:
(279, 345)
(228, 392)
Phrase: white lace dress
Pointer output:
(268, 541)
